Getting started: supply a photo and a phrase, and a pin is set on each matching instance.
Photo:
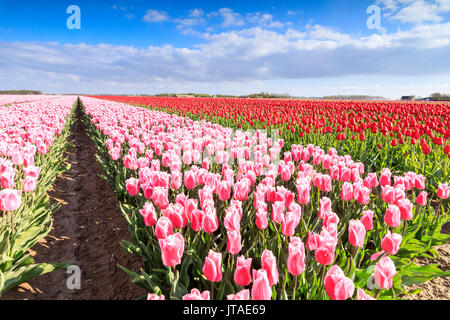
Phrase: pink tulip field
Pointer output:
(223, 214)
(220, 213)
(33, 140)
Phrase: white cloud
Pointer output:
(153, 16)
(196, 13)
(231, 18)
(419, 12)
(415, 11)
(238, 56)
(263, 20)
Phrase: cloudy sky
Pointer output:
(304, 48)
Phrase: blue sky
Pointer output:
(305, 48)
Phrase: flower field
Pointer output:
(33, 140)
(274, 199)
(239, 199)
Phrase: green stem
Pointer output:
(295, 288)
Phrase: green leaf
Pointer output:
(413, 247)
(22, 274)
(415, 274)
(178, 289)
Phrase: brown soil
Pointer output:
(438, 288)
(86, 232)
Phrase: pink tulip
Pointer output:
(10, 199)
(189, 206)
(303, 196)
(241, 295)
(371, 180)
(212, 269)
(234, 245)
(241, 189)
(32, 171)
(367, 219)
(334, 172)
(163, 228)
(422, 198)
(42, 148)
(147, 188)
(262, 218)
(160, 197)
(189, 179)
(345, 175)
(361, 295)
(224, 190)
(391, 242)
(210, 222)
(278, 211)
(313, 241)
(324, 255)
(132, 185)
(176, 180)
(385, 177)
(405, 207)
(290, 222)
(325, 251)
(325, 183)
(325, 207)
(271, 194)
(376, 255)
(196, 295)
(384, 272)
(269, 263)
(172, 248)
(17, 158)
(176, 215)
(330, 218)
(196, 219)
(261, 289)
(363, 195)
(149, 214)
(232, 219)
(356, 233)
(130, 162)
(392, 216)
(285, 173)
(296, 258)
(152, 296)
(443, 190)
(337, 286)
(29, 184)
(242, 275)
(419, 182)
(388, 194)
(7, 178)
(347, 191)
(344, 289)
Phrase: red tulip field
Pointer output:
(225, 199)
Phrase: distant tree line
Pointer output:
(440, 96)
(21, 92)
(354, 97)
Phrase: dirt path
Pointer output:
(86, 232)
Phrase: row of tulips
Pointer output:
(33, 140)
(7, 99)
(403, 136)
(217, 214)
